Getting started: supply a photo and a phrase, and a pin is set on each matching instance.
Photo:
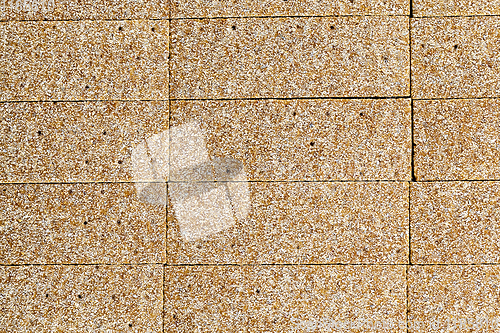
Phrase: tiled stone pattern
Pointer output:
(285, 298)
(239, 8)
(455, 57)
(77, 141)
(455, 7)
(83, 10)
(454, 299)
(290, 57)
(84, 60)
(79, 224)
(81, 298)
(305, 139)
(305, 223)
(457, 139)
(455, 222)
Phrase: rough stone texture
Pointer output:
(454, 299)
(299, 139)
(84, 141)
(457, 139)
(285, 299)
(290, 57)
(455, 57)
(295, 223)
(455, 7)
(233, 8)
(83, 60)
(455, 222)
(83, 10)
(79, 224)
(81, 298)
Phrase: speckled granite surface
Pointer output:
(254, 166)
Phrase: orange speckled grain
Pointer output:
(455, 222)
(290, 57)
(455, 57)
(83, 10)
(455, 7)
(79, 224)
(294, 223)
(82, 60)
(81, 298)
(304, 139)
(285, 299)
(459, 299)
(232, 8)
(457, 139)
(75, 142)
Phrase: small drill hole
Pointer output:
(312, 144)
(153, 29)
(46, 295)
(39, 132)
(361, 114)
(258, 291)
(86, 162)
(294, 114)
(118, 222)
(233, 27)
(85, 223)
(102, 191)
(129, 325)
(120, 28)
(104, 133)
(455, 47)
(87, 87)
(80, 296)
(332, 27)
(120, 162)
(328, 114)
(70, 191)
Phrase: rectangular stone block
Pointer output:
(235, 8)
(455, 7)
(287, 223)
(455, 222)
(454, 299)
(80, 224)
(455, 57)
(81, 298)
(83, 10)
(285, 298)
(83, 141)
(84, 60)
(290, 57)
(291, 140)
(457, 139)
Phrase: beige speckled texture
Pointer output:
(457, 139)
(81, 298)
(285, 299)
(304, 223)
(455, 7)
(234, 8)
(455, 57)
(82, 60)
(83, 9)
(459, 299)
(71, 142)
(290, 57)
(79, 224)
(455, 222)
(305, 139)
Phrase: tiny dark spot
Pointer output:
(352, 1)
(80, 296)
(232, 245)
(118, 222)
(53, 27)
(312, 144)
(175, 317)
(4, 190)
(299, 27)
(422, 46)
(153, 29)
(361, 114)
(97, 267)
(258, 291)
(120, 28)
(46, 295)
(113, 297)
(129, 325)
(39, 132)
(70, 191)
(455, 47)
(233, 27)
(390, 290)
(104, 133)
(189, 285)
(85, 222)
(227, 170)
(87, 87)
(385, 58)
(328, 114)
(332, 27)
(102, 191)
(294, 114)
(138, 58)
(86, 162)
(120, 162)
